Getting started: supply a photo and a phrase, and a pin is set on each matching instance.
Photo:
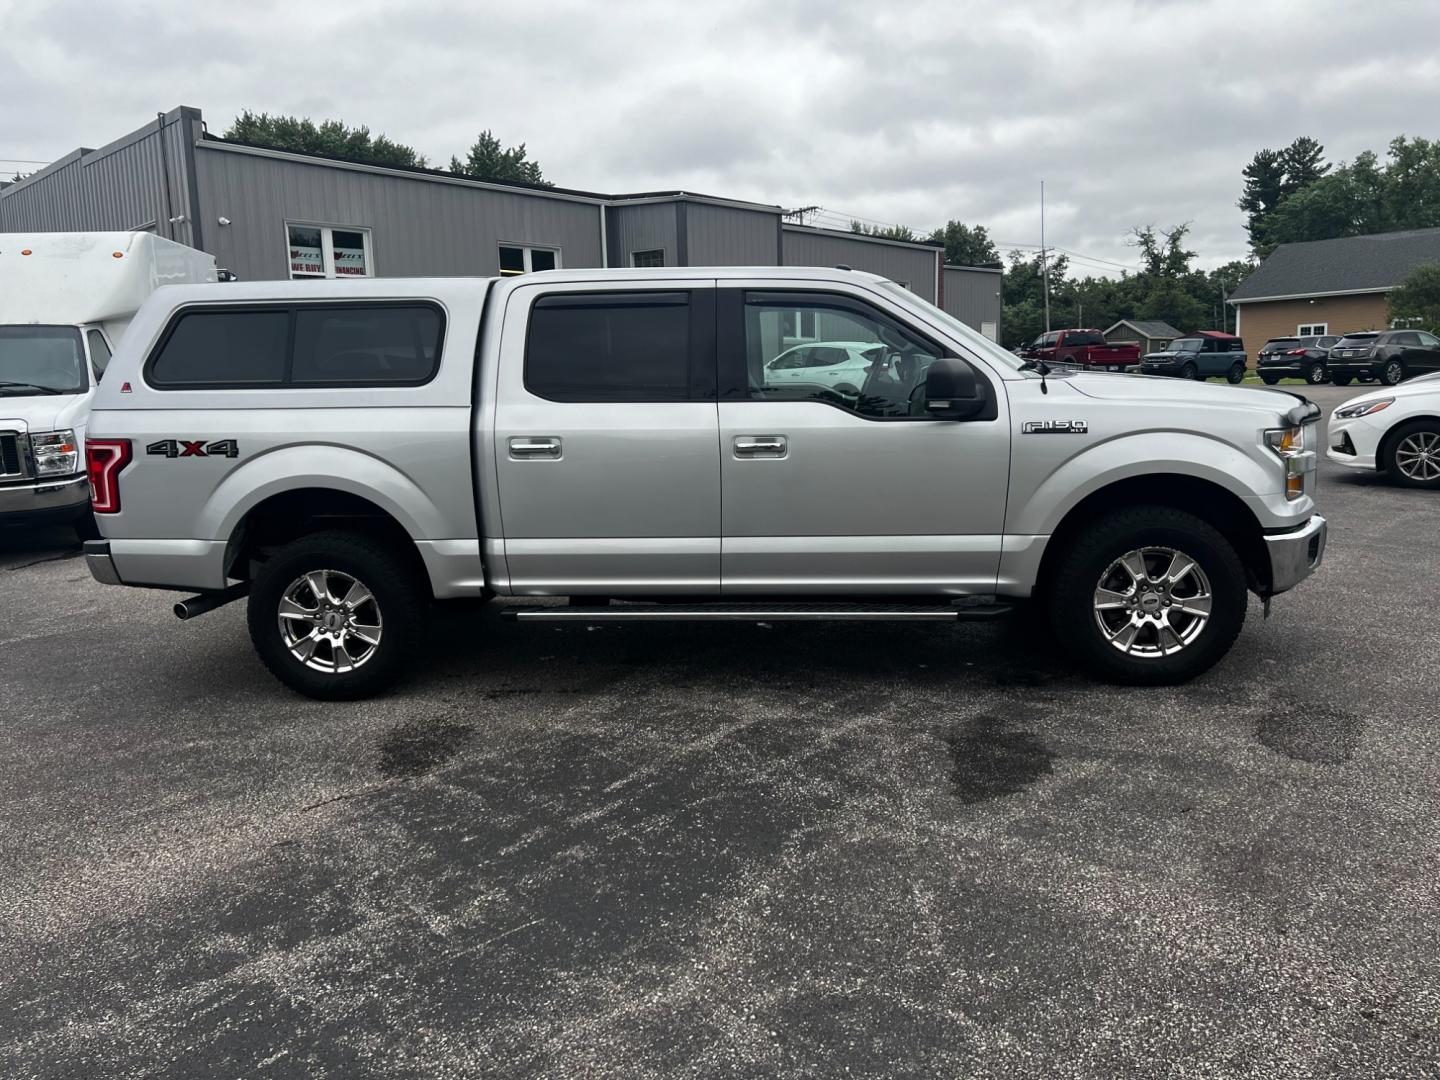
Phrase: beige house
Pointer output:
(1329, 286)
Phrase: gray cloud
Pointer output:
(1132, 112)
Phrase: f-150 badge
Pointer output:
(1055, 427)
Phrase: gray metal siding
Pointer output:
(418, 227)
(730, 236)
(973, 297)
(643, 227)
(915, 266)
(119, 186)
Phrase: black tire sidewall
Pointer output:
(1072, 593)
(1233, 378)
(397, 592)
(1340, 380)
(1392, 444)
(1270, 380)
(1189, 371)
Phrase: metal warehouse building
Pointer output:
(267, 214)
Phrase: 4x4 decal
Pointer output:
(172, 448)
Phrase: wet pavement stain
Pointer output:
(1314, 733)
(988, 762)
(415, 748)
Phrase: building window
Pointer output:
(1312, 329)
(799, 325)
(320, 251)
(644, 259)
(517, 259)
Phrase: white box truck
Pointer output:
(65, 300)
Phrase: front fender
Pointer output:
(335, 468)
(1042, 495)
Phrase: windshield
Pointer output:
(41, 360)
(974, 340)
(1276, 344)
(1185, 345)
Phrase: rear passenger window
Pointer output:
(366, 346)
(610, 347)
(223, 348)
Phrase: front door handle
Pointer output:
(753, 446)
(531, 446)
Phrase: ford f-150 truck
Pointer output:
(1084, 348)
(347, 452)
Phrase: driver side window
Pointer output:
(872, 365)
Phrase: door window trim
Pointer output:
(733, 370)
(701, 367)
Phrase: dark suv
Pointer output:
(1294, 358)
(1387, 355)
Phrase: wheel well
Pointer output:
(281, 518)
(1385, 440)
(1206, 500)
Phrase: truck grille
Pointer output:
(10, 455)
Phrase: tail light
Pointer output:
(1295, 352)
(104, 458)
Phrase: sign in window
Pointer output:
(320, 251)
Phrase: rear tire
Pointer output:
(1393, 373)
(1340, 380)
(1235, 375)
(312, 648)
(1270, 380)
(1315, 374)
(1412, 454)
(1167, 628)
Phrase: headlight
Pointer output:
(1288, 445)
(1363, 408)
(56, 453)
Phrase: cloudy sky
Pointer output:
(1132, 112)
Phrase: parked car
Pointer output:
(1295, 358)
(1084, 348)
(1390, 356)
(1200, 355)
(841, 365)
(65, 300)
(614, 436)
(1394, 431)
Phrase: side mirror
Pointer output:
(953, 391)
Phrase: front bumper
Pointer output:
(1159, 369)
(1295, 555)
(101, 566)
(61, 498)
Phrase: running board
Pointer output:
(598, 613)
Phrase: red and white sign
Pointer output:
(307, 260)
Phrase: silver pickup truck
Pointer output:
(347, 452)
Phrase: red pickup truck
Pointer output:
(1087, 348)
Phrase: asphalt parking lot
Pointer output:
(727, 850)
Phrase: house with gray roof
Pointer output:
(1329, 286)
(1151, 335)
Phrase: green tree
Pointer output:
(1023, 292)
(1273, 176)
(886, 232)
(1417, 301)
(966, 245)
(331, 137)
(1304, 163)
(489, 160)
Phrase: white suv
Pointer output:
(840, 365)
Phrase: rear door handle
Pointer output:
(752, 446)
(532, 446)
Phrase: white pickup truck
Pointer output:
(345, 453)
(65, 299)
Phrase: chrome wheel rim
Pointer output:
(1393, 372)
(1418, 455)
(1317, 374)
(329, 621)
(1152, 602)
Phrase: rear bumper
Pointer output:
(1285, 370)
(1296, 555)
(1352, 367)
(41, 500)
(99, 563)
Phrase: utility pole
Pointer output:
(1044, 263)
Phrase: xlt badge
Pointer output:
(1055, 427)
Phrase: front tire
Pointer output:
(1412, 454)
(1190, 371)
(337, 615)
(1148, 596)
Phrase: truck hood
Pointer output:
(1182, 393)
(44, 412)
